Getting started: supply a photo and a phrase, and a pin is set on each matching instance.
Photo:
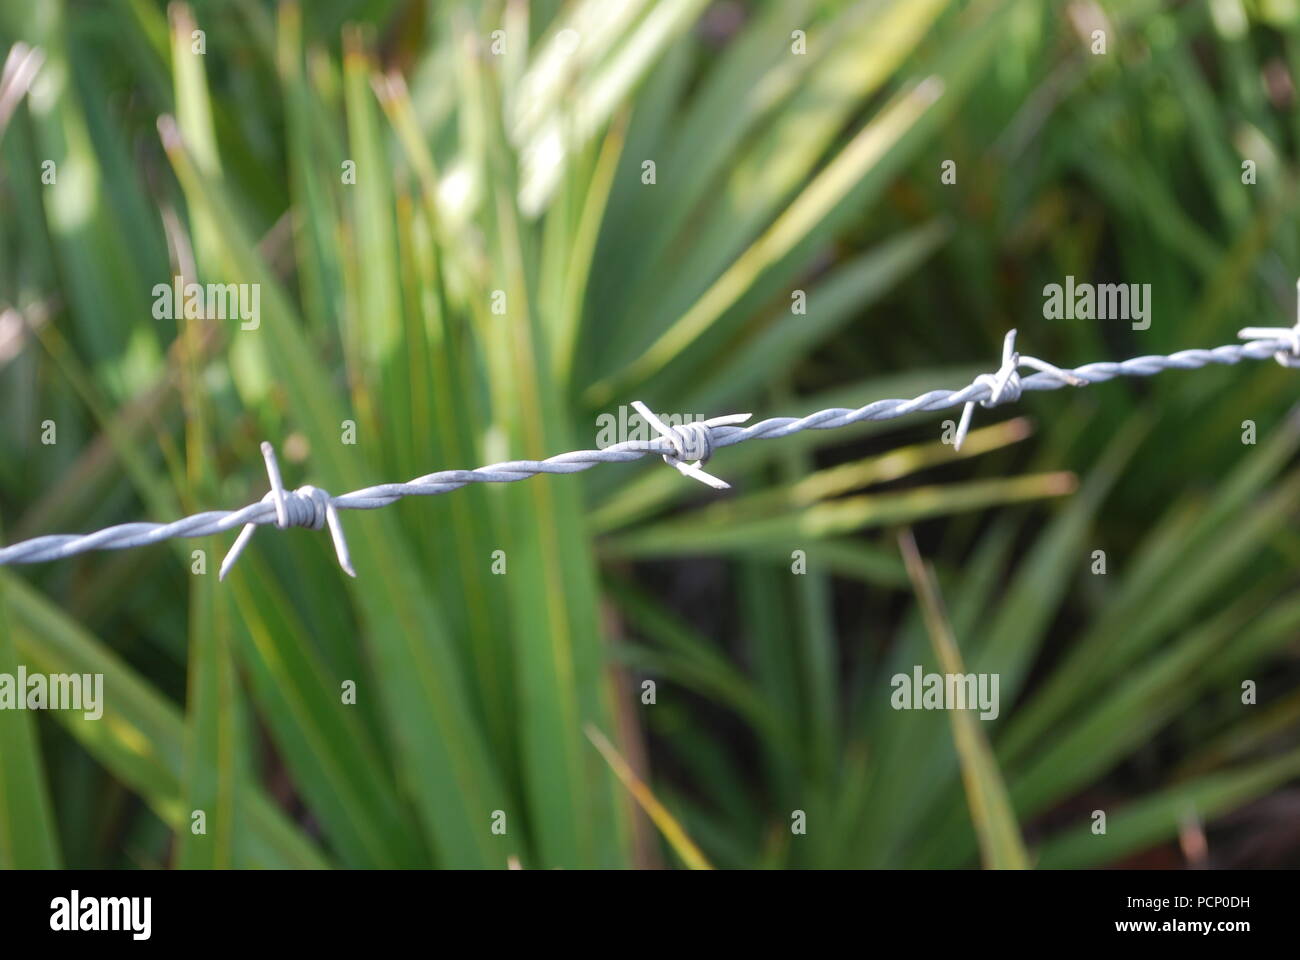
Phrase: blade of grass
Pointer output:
(1001, 847)
(561, 677)
(672, 831)
(701, 533)
(27, 835)
(813, 204)
(213, 768)
(1156, 817)
(140, 737)
(455, 783)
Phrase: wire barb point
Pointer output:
(307, 506)
(1004, 385)
(1289, 335)
(691, 441)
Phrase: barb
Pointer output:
(1005, 385)
(1289, 357)
(692, 440)
(305, 507)
(313, 508)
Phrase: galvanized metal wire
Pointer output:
(314, 508)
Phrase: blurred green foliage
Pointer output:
(460, 250)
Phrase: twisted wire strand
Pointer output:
(310, 506)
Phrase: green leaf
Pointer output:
(995, 822)
(455, 784)
(214, 767)
(140, 737)
(720, 530)
(1157, 817)
(27, 834)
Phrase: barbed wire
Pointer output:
(314, 508)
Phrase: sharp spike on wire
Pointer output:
(1289, 335)
(236, 549)
(312, 507)
(281, 511)
(336, 531)
(680, 438)
(1005, 385)
(277, 484)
